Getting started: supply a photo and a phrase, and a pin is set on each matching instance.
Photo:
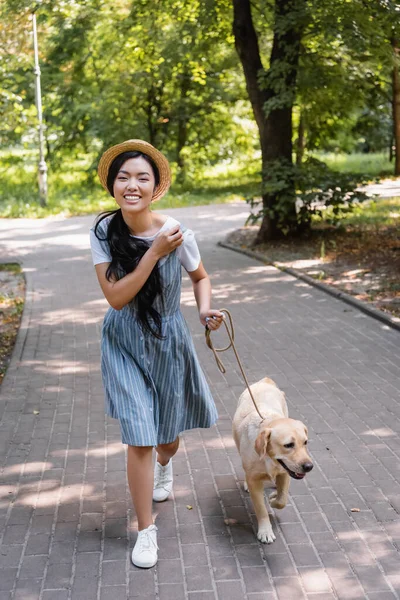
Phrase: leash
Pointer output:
(231, 334)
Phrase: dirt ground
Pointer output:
(365, 264)
(12, 297)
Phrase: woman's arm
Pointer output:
(121, 292)
(202, 293)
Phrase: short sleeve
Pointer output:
(188, 252)
(100, 248)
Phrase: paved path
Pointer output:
(66, 522)
(386, 188)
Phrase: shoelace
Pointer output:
(146, 541)
(162, 477)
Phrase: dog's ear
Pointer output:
(261, 443)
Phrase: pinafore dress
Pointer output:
(155, 388)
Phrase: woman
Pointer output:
(153, 382)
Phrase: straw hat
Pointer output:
(140, 146)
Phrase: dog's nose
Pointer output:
(307, 467)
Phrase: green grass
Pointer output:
(374, 215)
(72, 191)
(375, 165)
(10, 267)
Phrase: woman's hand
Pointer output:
(167, 241)
(212, 319)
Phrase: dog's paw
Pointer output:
(275, 503)
(265, 534)
(245, 486)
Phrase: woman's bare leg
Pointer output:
(140, 479)
(166, 451)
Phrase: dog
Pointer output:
(272, 450)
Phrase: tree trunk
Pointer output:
(272, 105)
(396, 103)
(182, 125)
(153, 113)
(151, 127)
(301, 140)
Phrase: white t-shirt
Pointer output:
(188, 251)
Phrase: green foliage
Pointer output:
(371, 164)
(319, 191)
(373, 215)
(344, 93)
(72, 193)
(167, 71)
(320, 188)
(10, 267)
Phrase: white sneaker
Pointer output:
(144, 554)
(163, 480)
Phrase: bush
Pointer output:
(317, 188)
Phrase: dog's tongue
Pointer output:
(300, 475)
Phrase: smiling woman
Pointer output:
(153, 382)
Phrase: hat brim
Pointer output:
(140, 146)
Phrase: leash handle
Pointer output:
(230, 330)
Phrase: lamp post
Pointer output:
(38, 98)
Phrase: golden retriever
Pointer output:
(272, 450)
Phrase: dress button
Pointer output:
(142, 356)
(141, 338)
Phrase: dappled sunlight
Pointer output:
(69, 259)
(227, 440)
(187, 298)
(255, 270)
(100, 302)
(237, 217)
(77, 241)
(348, 536)
(235, 294)
(271, 274)
(306, 263)
(111, 450)
(237, 300)
(55, 317)
(65, 475)
(63, 366)
(48, 497)
(223, 291)
(381, 432)
(315, 578)
(184, 493)
(68, 226)
(29, 468)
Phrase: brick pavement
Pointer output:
(66, 523)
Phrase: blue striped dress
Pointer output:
(155, 388)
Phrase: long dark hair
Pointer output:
(126, 251)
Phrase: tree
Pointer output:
(157, 70)
(272, 95)
(370, 31)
